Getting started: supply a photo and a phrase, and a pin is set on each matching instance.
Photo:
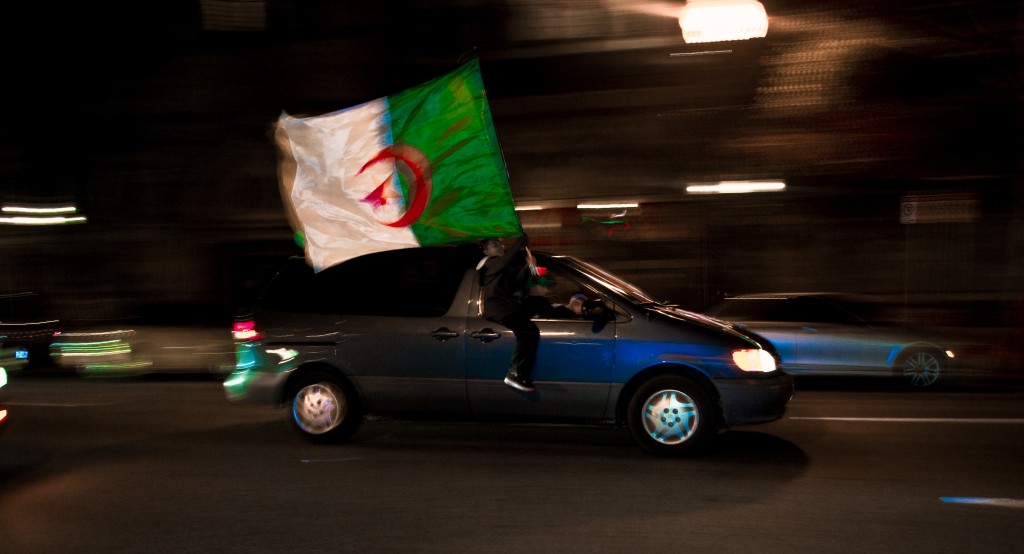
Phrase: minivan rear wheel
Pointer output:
(323, 408)
(671, 415)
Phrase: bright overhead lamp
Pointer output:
(722, 20)
(734, 187)
(530, 208)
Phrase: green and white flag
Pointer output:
(418, 168)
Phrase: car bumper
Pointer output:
(255, 387)
(749, 401)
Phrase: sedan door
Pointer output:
(854, 349)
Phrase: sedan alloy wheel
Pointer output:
(921, 368)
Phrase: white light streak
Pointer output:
(39, 210)
(25, 220)
(607, 206)
(736, 187)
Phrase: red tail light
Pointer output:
(246, 330)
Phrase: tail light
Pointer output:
(246, 330)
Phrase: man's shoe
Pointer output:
(518, 385)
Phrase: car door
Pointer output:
(833, 340)
(573, 371)
(784, 336)
(396, 323)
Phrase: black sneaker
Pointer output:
(518, 385)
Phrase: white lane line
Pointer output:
(51, 404)
(1001, 502)
(331, 460)
(1003, 421)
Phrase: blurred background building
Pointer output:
(895, 126)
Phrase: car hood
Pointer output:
(694, 318)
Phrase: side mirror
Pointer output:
(596, 310)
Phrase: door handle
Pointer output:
(485, 335)
(443, 334)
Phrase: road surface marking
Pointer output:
(1001, 502)
(55, 404)
(1005, 421)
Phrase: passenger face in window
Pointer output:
(576, 304)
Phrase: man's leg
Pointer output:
(527, 341)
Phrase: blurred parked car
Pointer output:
(28, 326)
(402, 332)
(838, 335)
(133, 346)
(3, 409)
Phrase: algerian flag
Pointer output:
(417, 168)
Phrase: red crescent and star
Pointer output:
(417, 170)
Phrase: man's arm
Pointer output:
(513, 251)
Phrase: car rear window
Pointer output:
(417, 282)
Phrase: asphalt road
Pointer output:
(170, 466)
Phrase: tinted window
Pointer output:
(813, 310)
(744, 309)
(26, 307)
(418, 282)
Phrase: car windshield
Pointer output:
(820, 309)
(615, 283)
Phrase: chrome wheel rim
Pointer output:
(670, 416)
(922, 369)
(318, 408)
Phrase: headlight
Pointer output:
(754, 360)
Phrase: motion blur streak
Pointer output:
(42, 220)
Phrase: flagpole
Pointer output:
(531, 262)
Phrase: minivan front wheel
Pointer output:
(670, 415)
(323, 409)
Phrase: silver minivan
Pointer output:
(402, 332)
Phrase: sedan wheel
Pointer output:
(322, 410)
(670, 416)
(921, 368)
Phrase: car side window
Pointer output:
(408, 283)
(559, 294)
(813, 310)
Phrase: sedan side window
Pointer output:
(814, 310)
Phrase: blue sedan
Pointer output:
(833, 334)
